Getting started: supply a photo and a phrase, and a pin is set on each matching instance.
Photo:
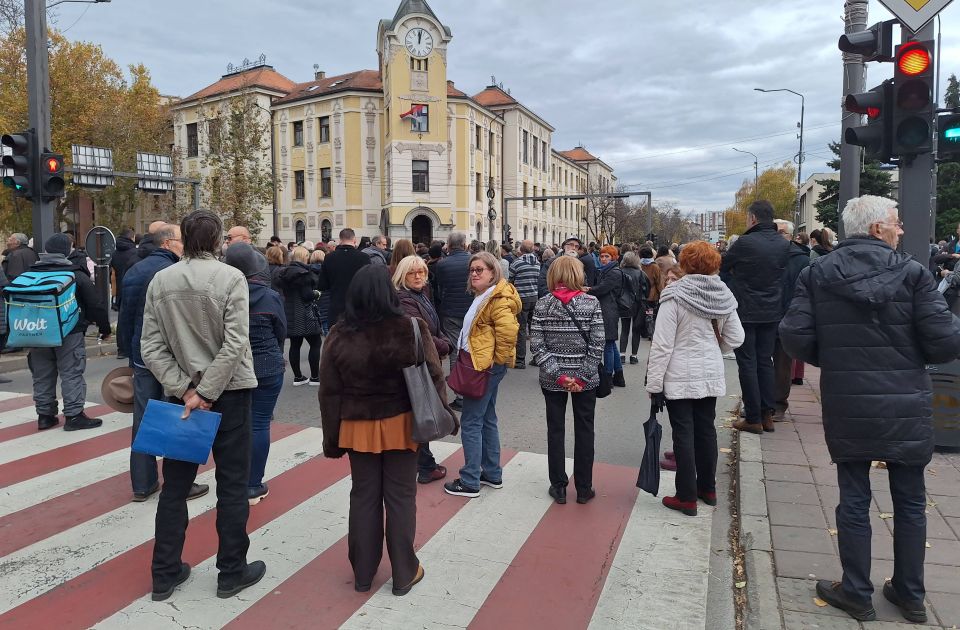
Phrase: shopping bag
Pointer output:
(164, 433)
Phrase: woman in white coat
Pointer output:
(696, 324)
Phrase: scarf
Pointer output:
(564, 294)
(610, 265)
(705, 296)
(646, 261)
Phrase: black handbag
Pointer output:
(431, 419)
(606, 379)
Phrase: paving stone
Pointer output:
(883, 500)
(755, 532)
(791, 492)
(800, 564)
(829, 495)
(750, 448)
(954, 524)
(939, 578)
(818, 454)
(785, 434)
(939, 528)
(889, 615)
(946, 607)
(789, 446)
(785, 457)
(753, 498)
(881, 545)
(943, 486)
(782, 472)
(815, 540)
(796, 515)
(824, 475)
(945, 552)
(797, 595)
(900, 625)
(802, 621)
(947, 506)
(802, 419)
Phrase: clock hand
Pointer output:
(420, 37)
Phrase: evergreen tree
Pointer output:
(873, 181)
(948, 177)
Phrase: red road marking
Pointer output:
(12, 404)
(46, 519)
(111, 586)
(296, 599)
(563, 564)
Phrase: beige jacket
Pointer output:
(196, 329)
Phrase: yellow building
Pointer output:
(400, 150)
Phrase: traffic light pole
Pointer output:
(916, 186)
(38, 90)
(855, 18)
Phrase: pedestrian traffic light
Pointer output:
(51, 176)
(913, 89)
(948, 137)
(22, 162)
(873, 44)
(877, 106)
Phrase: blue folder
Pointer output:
(165, 434)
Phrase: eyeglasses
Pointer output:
(417, 272)
(898, 224)
(476, 271)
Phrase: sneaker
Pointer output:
(486, 481)
(687, 507)
(300, 380)
(623, 359)
(140, 497)
(257, 494)
(161, 594)
(315, 381)
(400, 592)
(585, 496)
(457, 404)
(251, 575)
(45, 422)
(521, 364)
(436, 474)
(457, 488)
(797, 381)
(634, 360)
(81, 421)
(832, 593)
(912, 612)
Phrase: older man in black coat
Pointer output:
(872, 318)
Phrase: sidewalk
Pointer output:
(788, 526)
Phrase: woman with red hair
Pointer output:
(610, 283)
(696, 324)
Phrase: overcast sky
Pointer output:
(661, 91)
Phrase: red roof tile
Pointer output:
(366, 80)
(452, 91)
(262, 77)
(578, 154)
(492, 96)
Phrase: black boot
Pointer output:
(45, 422)
(618, 379)
(81, 421)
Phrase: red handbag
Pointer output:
(465, 379)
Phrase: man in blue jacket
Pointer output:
(169, 249)
(452, 274)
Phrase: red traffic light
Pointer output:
(53, 165)
(913, 60)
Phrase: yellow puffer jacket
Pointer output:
(493, 335)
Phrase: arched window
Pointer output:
(301, 231)
(326, 231)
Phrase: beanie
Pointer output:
(244, 257)
(58, 244)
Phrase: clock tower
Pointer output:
(418, 167)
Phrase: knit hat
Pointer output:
(436, 251)
(245, 258)
(58, 244)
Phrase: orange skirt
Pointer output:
(377, 436)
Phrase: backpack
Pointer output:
(631, 296)
(42, 308)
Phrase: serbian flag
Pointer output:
(416, 113)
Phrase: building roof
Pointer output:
(452, 91)
(578, 154)
(264, 77)
(413, 7)
(363, 80)
(493, 95)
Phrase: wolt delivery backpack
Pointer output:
(41, 308)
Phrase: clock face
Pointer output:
(419, 42)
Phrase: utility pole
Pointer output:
(855, 20)
(38, 90)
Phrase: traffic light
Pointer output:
(51, 176)
(22, 162)
(948, 137)
(913, 89)
(873, 44)
(877, 106)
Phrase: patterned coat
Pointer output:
(558, 346)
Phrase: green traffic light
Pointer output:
(952, 134)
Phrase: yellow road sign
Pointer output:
(914, 14)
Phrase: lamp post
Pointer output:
(796, 217)
(756, 170)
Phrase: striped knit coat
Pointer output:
(557, 345)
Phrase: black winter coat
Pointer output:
(339, 267)
(299, 286)
(452, 275)
(611, 283)
(755, 264)
(125, 257)
(798, 259)
(92, 310)
(871, 318)
(17, 261)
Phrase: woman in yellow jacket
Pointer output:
(489, 334)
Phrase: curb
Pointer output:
(763, 603)
(18, 361)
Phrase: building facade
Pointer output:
(712, 224)
(399, 150)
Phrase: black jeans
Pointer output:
(426, 462)
(231, 453)
(694, 445)
(524, 317)
(313, 357)
(755, 363)
(909, 529)
(636, 325)
(584, 405)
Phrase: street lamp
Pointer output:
(756, 170)
(50, 6)
(800, 154)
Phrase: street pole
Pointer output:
(756, 170)
(855, 19)
(796, 214)
(916, 185)
(38, 93)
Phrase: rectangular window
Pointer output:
(193, 147)
(536, 145)
(325, 190)
(214, 133)
(479, 138)
(298, 185)
(526, 152)
(324, 129)
(298, 133)
(543, 147)
(420, 121)
(421, 176)
(490, 145)
(479, 187)
(524, 191)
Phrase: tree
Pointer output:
(873, 181)
(776, 185)
(948, 177)
(607, 219)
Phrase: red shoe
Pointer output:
(710, 498)
(687, 507)
(669, 455)
(668, 464)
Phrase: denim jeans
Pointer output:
(263, 401)
(143, 467)
(479, 433)
(611, 357)
(909, 529)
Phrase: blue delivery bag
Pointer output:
(164, 433)
(42, 308)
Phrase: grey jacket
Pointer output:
(196, 329)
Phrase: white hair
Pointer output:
(862, 212)
(787, 224)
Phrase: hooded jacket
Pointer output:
(268, 329)
(92, 310)
(338, 270)
(133, 297)
(607, 290)
(871, 318)
(492, 337)
(125, 257)
(756, 263)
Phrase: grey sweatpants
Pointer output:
(69, 361)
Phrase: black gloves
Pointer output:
(658, 402)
